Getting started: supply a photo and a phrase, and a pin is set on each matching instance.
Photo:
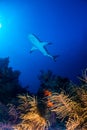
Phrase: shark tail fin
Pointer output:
(55, 57)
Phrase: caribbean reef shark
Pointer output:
(38, 45)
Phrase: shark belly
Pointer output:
(33, 39)
(43, 51)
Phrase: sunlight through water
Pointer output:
(0, 25)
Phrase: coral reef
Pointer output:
(9, 89)
(83, 78)
(58, 105)
(53, 83)
(6, 126)
(30, 115)
(65, 107)
(9, 82)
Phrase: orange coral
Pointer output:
(50, 104)
(47, 93)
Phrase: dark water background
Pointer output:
(61, 22)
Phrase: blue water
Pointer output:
(61, 22)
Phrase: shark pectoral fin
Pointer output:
(33, 49)
(45, 43)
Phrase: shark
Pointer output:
(41, 46)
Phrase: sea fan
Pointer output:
(13, 114)
(82, 95)
(32, 121)
(6, 126)
(31, 118)
(72, 124)
(63, 105)
(83, 78)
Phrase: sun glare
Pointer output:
(0, 25)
